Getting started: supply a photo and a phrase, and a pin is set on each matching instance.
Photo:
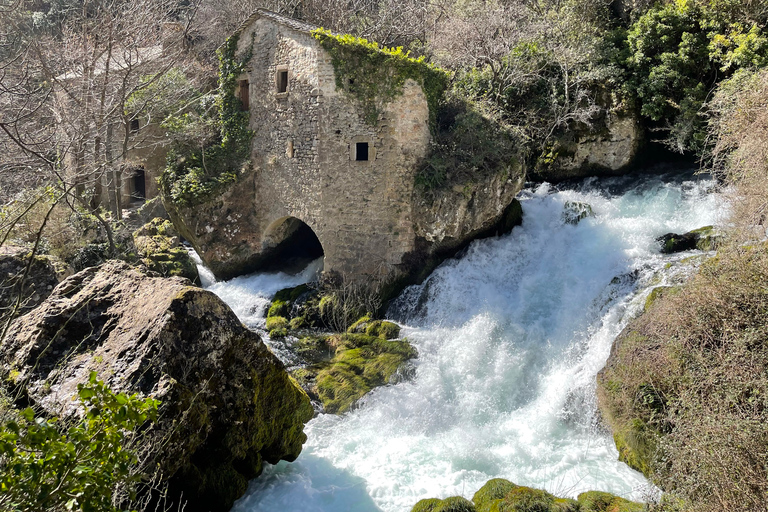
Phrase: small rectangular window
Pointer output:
(361, 151)
(134, 125)
(245, 97)
(282, 80)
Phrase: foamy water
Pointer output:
(510, 337)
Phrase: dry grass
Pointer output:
(686, 389)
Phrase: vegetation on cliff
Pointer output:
(685, 387)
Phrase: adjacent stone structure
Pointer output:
(321, 168)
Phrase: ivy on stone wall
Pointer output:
(192, 175)
(375, 74)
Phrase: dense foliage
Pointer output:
(198, 169)
(79, 465)
(678, 54)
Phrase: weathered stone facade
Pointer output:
(316, 161)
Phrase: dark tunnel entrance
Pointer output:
(289, 246)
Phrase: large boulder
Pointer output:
(227, 403)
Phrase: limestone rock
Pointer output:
(704, 239)
(227, 403)
(33, 289)
(607, 147)
(160, 250)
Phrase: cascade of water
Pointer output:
(510, 337)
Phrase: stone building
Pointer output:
(327, 178)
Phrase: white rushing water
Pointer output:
(510, 337)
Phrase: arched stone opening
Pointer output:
(289, 245)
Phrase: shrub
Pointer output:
(87, 464)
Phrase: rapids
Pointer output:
(510, 337)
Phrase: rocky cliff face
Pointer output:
(20, 293)
(608, 147)
(227, 404)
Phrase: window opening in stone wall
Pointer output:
(282, 81)
(134, 125)
(245, 97)
(361, 151)
(139, 185)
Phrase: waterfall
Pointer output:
(510, 335)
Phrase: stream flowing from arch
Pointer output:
(510, 336)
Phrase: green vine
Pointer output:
(192, 175)
(375, 75)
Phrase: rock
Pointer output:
(33, 289)
(152, 209)
(345, 367)
(704, 239)
(227, 403)
(608, 146)
(499, 495)
(159, 248)
(575, 211)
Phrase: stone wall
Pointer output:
(304, 167)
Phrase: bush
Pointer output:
(86, 465)
(679, 52)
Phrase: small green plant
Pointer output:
(83, 465)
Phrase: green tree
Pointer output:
(81, 465)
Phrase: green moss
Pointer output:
(596, 501)
(455, 504)
(299, 322)
(566, 505)
(291, 294)
(657, 293)
(276, 322)
(360, 325)
(527, 499)
(279, 308)
(492, 491)
(383, 329)
(636, 442)
(361, 363)
(428, 505)
(375, 75)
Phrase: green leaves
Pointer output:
(78, 465)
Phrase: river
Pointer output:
(510, 337)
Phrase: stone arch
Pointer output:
(289, 244)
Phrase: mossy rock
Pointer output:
(657, 293)
(492, 491)
(291, 294)
(708, 238)
(566, 505)
(597, 501)
(452, 504)
(276, 322)
(636, 443)
(361, 363)
(576, 211)
(280, 332)
(157, 243)
(428, 505)
(383, 329)
(298, 323)
(279, 308)
(360, 325)
(527, 499)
